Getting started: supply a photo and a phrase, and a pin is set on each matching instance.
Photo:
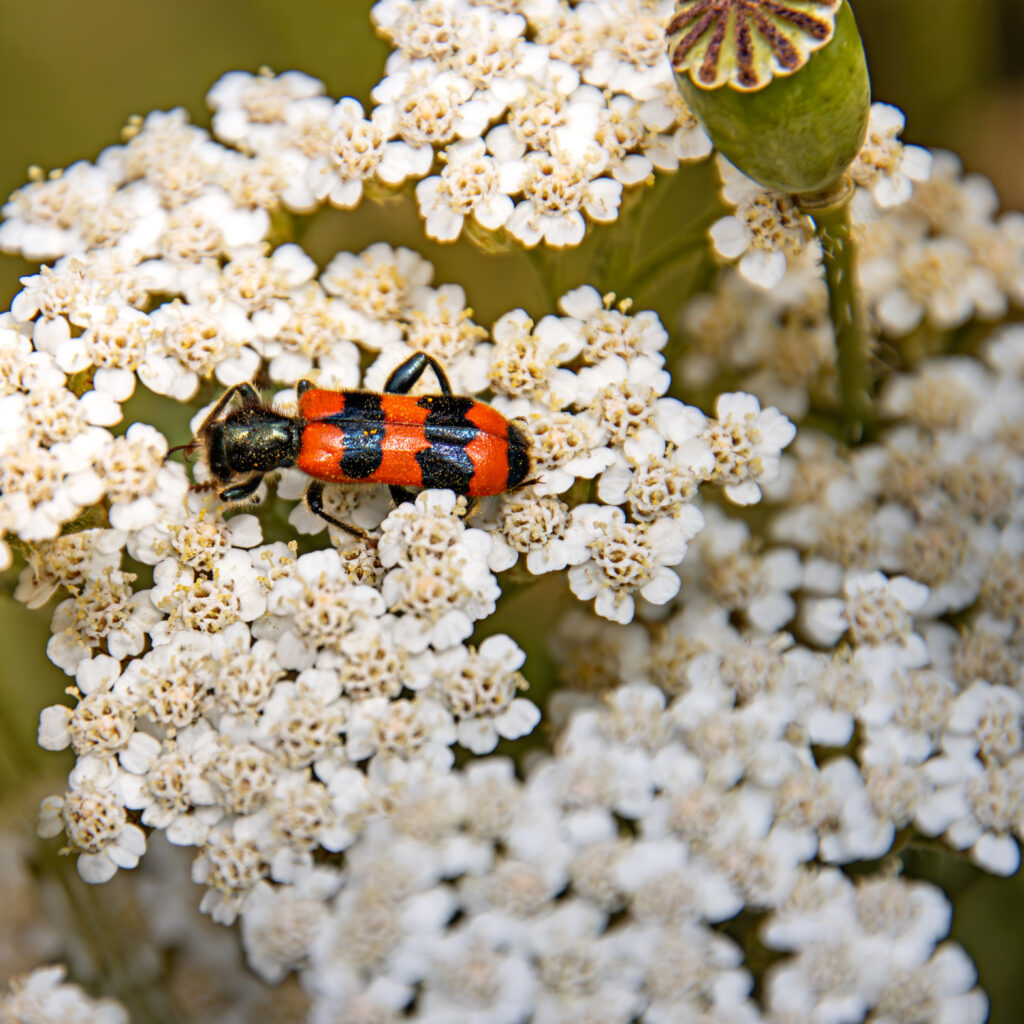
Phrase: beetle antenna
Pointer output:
(188, 449)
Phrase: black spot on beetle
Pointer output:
(445, 465)
(362, 423)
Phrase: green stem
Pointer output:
(114, 946)
(18, 759)
(541, 264)
(663, 259)
(839, 253)
(517, 580)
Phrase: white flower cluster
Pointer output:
(772, 239)
(260, 706)
(609, 417)
(887, 717)
(936, 505)
(733, 728)
(611, 421)
(932, 248)
(319, 722)
(533, 123)
(485, 896)
(767, 233)
(943, 256)
(281, 699)
(541, 115)
(57, 456)
(44, 997)
(252, 703)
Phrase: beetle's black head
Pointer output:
(252, 440)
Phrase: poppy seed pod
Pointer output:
(781, 86)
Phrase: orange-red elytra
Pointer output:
(360, 437)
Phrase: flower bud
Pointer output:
(781, 86)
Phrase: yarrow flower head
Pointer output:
(885, 167)
(556, 129)
(767, 233)
(44, 995)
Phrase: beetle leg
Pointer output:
(405, 376)
(249, 395)
(472, 504)
(315, 504)
(189, 449)
(241, 492)
(400, 495)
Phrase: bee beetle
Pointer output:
(363, 437)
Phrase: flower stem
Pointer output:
(117, 950)
(839, 254)
(541, 263)
(666, 257)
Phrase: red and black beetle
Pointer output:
(364, 437)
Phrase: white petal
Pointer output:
(729, 237)
(520, 719)
(96, 868)
(764, 269)
(998, 854)
(615, 607)
(100, 409)
(565, 230)
(53, 727)
(662, 588)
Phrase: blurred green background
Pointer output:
(71, 73)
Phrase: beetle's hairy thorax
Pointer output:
(253, 440)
